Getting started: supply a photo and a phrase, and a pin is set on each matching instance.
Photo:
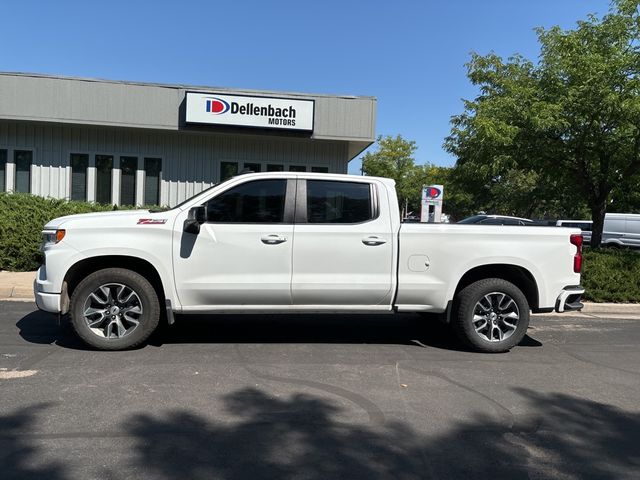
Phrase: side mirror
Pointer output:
(197, 216)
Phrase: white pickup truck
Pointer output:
(301, 242)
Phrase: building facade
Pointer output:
(128, 143)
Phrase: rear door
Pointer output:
(343, 249)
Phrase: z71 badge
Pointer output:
(152, 221)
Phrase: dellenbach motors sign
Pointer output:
(432, 196)
(262, 112)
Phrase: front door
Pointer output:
(242, 255)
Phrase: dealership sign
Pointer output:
(432, 196)
(245, 111)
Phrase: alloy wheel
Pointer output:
(113, 311)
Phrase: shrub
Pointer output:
(22, 217)
(611, 275)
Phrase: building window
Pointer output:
(228, 170)
(3, 170)
(23, 160)
(152, 169)
(254, 167)
(320, 169)
(297, 168)
(338, 202)
(271, 167)
(79, 163)
(260, 201)
(128, 168)
(104, 169)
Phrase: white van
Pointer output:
(584, 225)
(621, 230)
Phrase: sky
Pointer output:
(410, 55)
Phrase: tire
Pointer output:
(484, 316)
(114, 309)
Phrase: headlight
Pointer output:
(51, 237)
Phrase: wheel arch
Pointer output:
(78, 271)
(519, 276)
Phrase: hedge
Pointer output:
(609, 275)
(22, 217)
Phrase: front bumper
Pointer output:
(570, 299)
(49, 302)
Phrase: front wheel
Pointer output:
(490, 315)
(114, 309)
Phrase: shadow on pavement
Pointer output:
(19, 454)
(399, 329)
(308, 328)
(305, 436)
(42, 328)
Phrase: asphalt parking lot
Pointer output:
(319, 397)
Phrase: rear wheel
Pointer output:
(114, 309)
(491, 315)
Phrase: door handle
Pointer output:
(273, 239)
(372, 241)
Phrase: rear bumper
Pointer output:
(570, 299)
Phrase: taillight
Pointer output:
(577, 258)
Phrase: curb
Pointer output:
(617, 308)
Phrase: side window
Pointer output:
(3, 169)
(23, 160)
(104, 169)
(228, 170)
(152, 171)
(79, 163)
(254, 167)
(338, 202)
(128, 169)
(260, 201)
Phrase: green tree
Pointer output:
(394, 159)
(565, 130)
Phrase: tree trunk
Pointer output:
(597, 216)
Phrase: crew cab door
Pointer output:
(343, 248)
(242, 255)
